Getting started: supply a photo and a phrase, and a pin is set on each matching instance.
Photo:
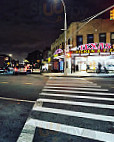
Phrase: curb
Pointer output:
(80, 76)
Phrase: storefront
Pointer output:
(92, 57)
(58, 61)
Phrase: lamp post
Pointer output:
(65, 31)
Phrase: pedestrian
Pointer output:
(99, 67)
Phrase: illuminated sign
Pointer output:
(94, 48)
(91, 46)
(58, 51)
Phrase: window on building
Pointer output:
(79, 40)
(69, 41)
(102, 37)
(63, 45)
(112, 38)
(90, 38)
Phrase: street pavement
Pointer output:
(71, 110)
(80, 74)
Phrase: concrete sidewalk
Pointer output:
(80, 74)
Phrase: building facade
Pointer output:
(90, 45)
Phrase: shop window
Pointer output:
(90, 38)
(112, 38)
(79, 40)
(102, 37)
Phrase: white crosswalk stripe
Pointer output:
(73, 113)
(81, 92)
(75, 96)
(92, 89)
(93, 105)
(76, 103)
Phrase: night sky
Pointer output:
(29, 25)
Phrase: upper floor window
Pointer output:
(102, 37)
(79, 40)
(63, 45)
(69, 41)
(90, 38)
(112, 38)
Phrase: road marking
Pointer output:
(66, 78)
(93, 89)
(17, 100)
(70, 81)
(81, 92)
(76, 96)
(4, 82)
(28, 83)
(75, 114)
(27, 134)
(73, 85)
(77, 103)
(76, 131)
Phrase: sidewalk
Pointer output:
(80, 74)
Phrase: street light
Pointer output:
(65, 38)
(65, 30)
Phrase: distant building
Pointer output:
(34, 57)
(5, 60)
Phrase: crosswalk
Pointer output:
(77, 109)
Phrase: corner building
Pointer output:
(90, 45)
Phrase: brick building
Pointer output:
(96, 31)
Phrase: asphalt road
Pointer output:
(18, 94)
(104, 82)
(72, 110)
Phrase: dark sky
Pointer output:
(28, 25)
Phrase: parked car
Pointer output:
(8, 70)
(22, 69)
(2, 70)
(36, 70)
(16, 70)
(29, 69)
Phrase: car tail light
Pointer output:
(15, 69)
(25, 69)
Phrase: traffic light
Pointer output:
(112, 14)
(68, 55)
